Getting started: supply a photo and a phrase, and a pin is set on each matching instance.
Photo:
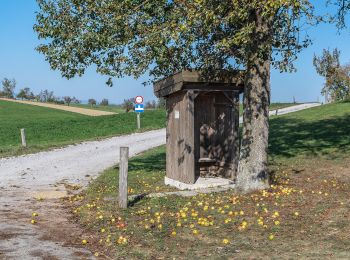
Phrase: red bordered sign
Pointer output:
(138, 99)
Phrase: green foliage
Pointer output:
(132, 37)
(342, 9)
(327, 63)
(47, 128)
(337, 86)
(46, 96)
(24, 93)
(8, 87)
(340, 87)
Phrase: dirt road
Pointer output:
(44, 175)
(79, 110)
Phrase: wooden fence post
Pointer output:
(276, 111)
(23, 136)
(123, 177)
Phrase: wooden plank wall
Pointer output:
(180, 137)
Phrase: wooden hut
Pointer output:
(202, 136)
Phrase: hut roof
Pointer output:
(194, 80)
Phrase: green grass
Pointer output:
(274, 106)
(146, 175)
(47, 128)
(309, 156)
(319, 131)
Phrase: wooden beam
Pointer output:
(123, 177)
(23, 137)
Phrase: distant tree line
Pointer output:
(8, 91)
(9, 86)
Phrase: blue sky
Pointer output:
(19, 60)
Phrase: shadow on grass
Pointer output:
(290, 137)
(152, 162)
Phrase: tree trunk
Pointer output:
(252, 167)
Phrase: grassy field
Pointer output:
(47, 128)
(305, 214)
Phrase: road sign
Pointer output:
(139, 108)
(138, 100)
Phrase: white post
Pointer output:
(23, 136)
(138, 121)
(123, 177)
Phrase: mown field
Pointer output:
(48, 128)
(109, 108)
(305, 213)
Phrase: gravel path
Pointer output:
(45, 174)
(24, 178)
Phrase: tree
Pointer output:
(31, 96)
(128, 104)
(75, 100)
(104, 102)
(37, 98)
(46, 96)
(151, 104)
(8, 87)
(342, 9)
(92, 102)
(339, 84)
(24, 93)
(131, 37)
(327, 66)
(67, 100)
(161, 103)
